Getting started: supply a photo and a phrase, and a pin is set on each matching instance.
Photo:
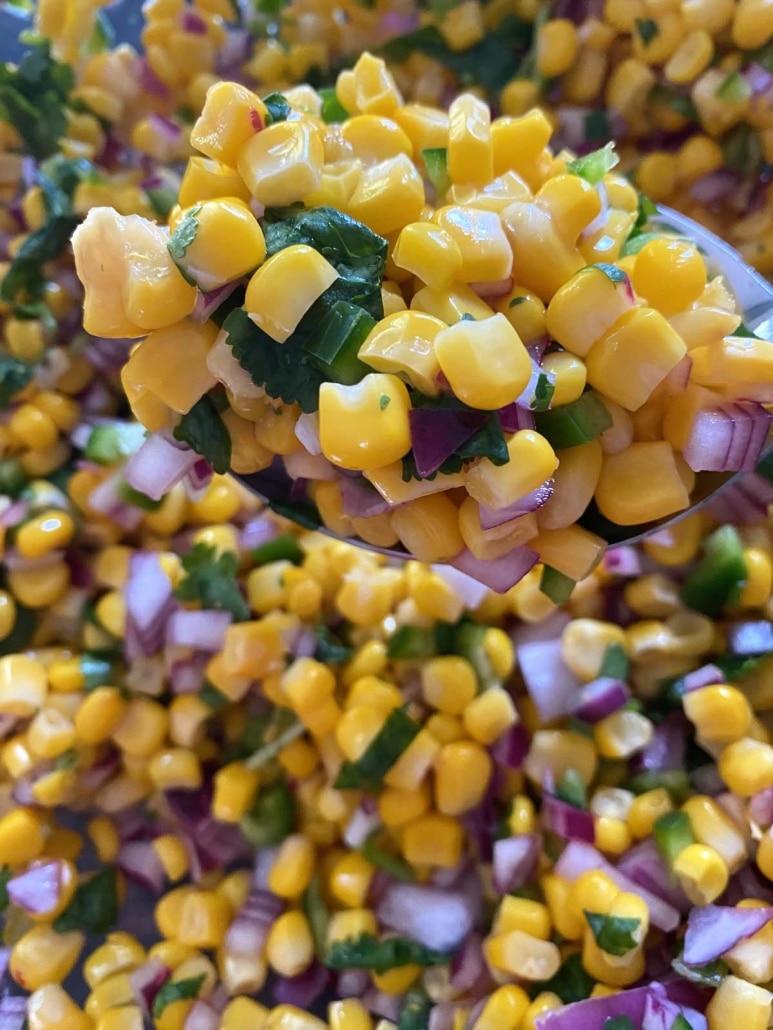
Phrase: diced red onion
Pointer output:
(753, 637)
(158, 465)
(146, 981)
(470, 591)
(150, 82)
(660, 1012)
(96, 399)
(499, 575)
(565, 820)
(139, 860)
(256, 532)
(437, 433)
(599, 698)
(233, 53)
(107, 500)
(187, 674)
(307, 431)
(149, 601)
(302, 465)
(705, 676)
(761, 807)
(515, 861)
(13, 1011)
(644, 864)
(529, 396)
(510, 749)
(38, 890)
(714, 929)
(592, 1013)
(551, 685)
(666, 747)
(397, 23)
(491, 518)
(727, 438)
(264, 863)
(191, 21)
(208, 303)
(759, 79)
(17, 562)
(359, 500)
(436, 918)
(382, 1004)
(363, 821)
(201, 629)
(248, 932)
(493, 288)
(303, 990)
(352, 983)
(622, 561)
(578, 857)
(744, 501)
(197, 479)
(108, 355)
(514, 417)
(714, 187)
(468, 965)
(201, 1016)
(13, 513)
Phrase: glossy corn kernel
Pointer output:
(736, 999)
(397, 807)
(486, 253)
(403, 344)
(746, 766)
(290, 945)
(293, 867)
(205, 179)
(531, 917)
(282, 163)
(430, 253)
(462, 773)
(366, 425)
(388, 196)
(175, 769)
(720, 713)
(42, 956)
(488, 715)
(349, 1014)
(544, 260)
(227, 245)
(232, 116)
(640, 484)
(269, 303)
(433, 840)
(531, 461)
(51, 1008)
(522, 955)
(485, 362)
(470, 150)
(701, 872)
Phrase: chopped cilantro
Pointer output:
(136, 498)
(414, 1015)
(596, 126)
(613, 934)
(277, 108)
(103, 35)
(271, 817)
(516, 301)
(680, 1023)
(710, 975)
(555, 585)
(367, 952)
(330, 648)
(211, 579)
(543, 392)
(615, 662)
(647, 30)
(390, 863)
(94, 906)
(317, 915)
(675, 781)
(635, 243)
(594, 166)
(390, 742)
(333, 111)
(734, 88)
(571, 983)
(412, 642)
(618, 1023)
(6, 874)
(742, 150)
(176, 990)
(33, 98)
(14, 376)
(284, 547)
(212, 697)
(673, 833)
(571, 789)
(436, 163)
(203, 429)
(384, 401)
(184, 234)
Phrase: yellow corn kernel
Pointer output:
(592, 891)
(8, 613)
(349, 1014)
(751, 22)
(433, 840)
(622, 734)
(701, 872)
(388, 196)
(429, 252)
(584, 644)
(448, 683)
(531, 461)
(612, 971)
(640, 484)
(290, 945)
(759, 578)
(111, 993)
(546, 1001)
(273, 307)
(173, 856)
(99, 714)
(203, 917)
(486, 253)
(720, 713)
(397, 980)
(232, 116)
(746, 766)
(451, 305)
(293, 867)
(25, 338)
(544, 260)
(414, 763)
(351, 923)
(366, 425)
(553, 752)
(470, 151)
(126, 1017)
(557, 47)
(156, 361)
(567, 920)
(573, 551)
(349, 879)
(287, 1017)
(21, 836)
(374, 693)
(646, 809)
(397, 807)
(282, 163)
(50, 733)
(104, 837)
(570, 376)
(32, 428)
(735, 999)
(403, 344)
(710, 825)
(234, 790)
(485, 362)
(205, 179)
(42, 956)
(175, 769)
(488, 715)
(522, 955)
(207, 260)
(243, 1012)
(462, 773)
(50, 1007)
(142, 728)
(735, 362)
(610, 835)
(531, 917)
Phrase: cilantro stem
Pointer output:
(269, 751)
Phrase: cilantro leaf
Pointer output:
(613, 934)
(277, 108)
(315, 910)
(571, 983)
(330, 648)
(176, 990)
(543, 393)
(367, 952)
(436, 163)
(33, 98)
(211, 579)
(203, 429)
(14, 376)
(615, 662)
(212, 697)
(392, 864)
(6, 874)
(647, 30)
(571, 789)
(742, 150)
(734, 88)
(594, 166)
(271, 817)
(414, 1015)
(381, 754)
(680, 1023)
(333, 111)
(94, 906)
(184, 234)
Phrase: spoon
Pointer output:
(754, 296)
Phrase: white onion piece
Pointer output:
(307, 431)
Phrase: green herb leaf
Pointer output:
(6, 874)
(675, 781)
(333, 111)
(647, 30)
(277, 108)
(596, 126)
(272, 816)
(176, 990)
(95, 670)
(103, 36)
(680, 1023)
(94, 906)
(618, 1023)
(556, 585)
(710, 975)
(390, 742)
(33, 98)
(436, 163)
(211, 579)
(571, 983)
(673, 833)
(742, 150)
(571, 789)
(386, 860)
(468, 640)
(284, 547)
(719, 576)
(367, 952)
(575, 423)
(212, 697)
(615, 663)
(543, 393)
(594, 166)
(613, 934)
(330, 648)
(412, 642)
(14, 376)
(113, 441)
(516, 301)
(734, 88)
(414, 1015)
(184, 234)
(136, 498)
(315, 910)
(203, 429)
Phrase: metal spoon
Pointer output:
(754, 296)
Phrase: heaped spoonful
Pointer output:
(425, 331)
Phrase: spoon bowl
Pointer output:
(754, 296)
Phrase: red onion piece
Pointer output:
(38, 890)
(158, 465)
(753, 637)
(382, 1004)
(187, 674)
(714, 187)
(139, 860)
(515, 861)
(436, 918)
(470, 591)
(364, 820)
(108, 355)
(660, 1012)
(468, 966)
(666, 747)
(146, 981)
(149, 601)
(491, 518)
(150, 82)
(302, 990)
(360, 500)
(598, 223)
(197, 479)
(494, 288)
(759, 79)
(592, 1013)
(201, 1016)
(622, 561)
(727, 438)
(352, 983)
(248, 932)
(256, 532)
(204, 629)
(714, 929)
(107, 500)
(644, 865)
(208, 303)
(437, 433)
(743, 502)
(599, 698)
(511, 748)
(578, 857)
(191, 21)
(761, 807)
(566, 821)
(551, 685)
(498, 575)
(13, 513)
(13, 1011)
(706, 676)
(514, 417)
(17, 562)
